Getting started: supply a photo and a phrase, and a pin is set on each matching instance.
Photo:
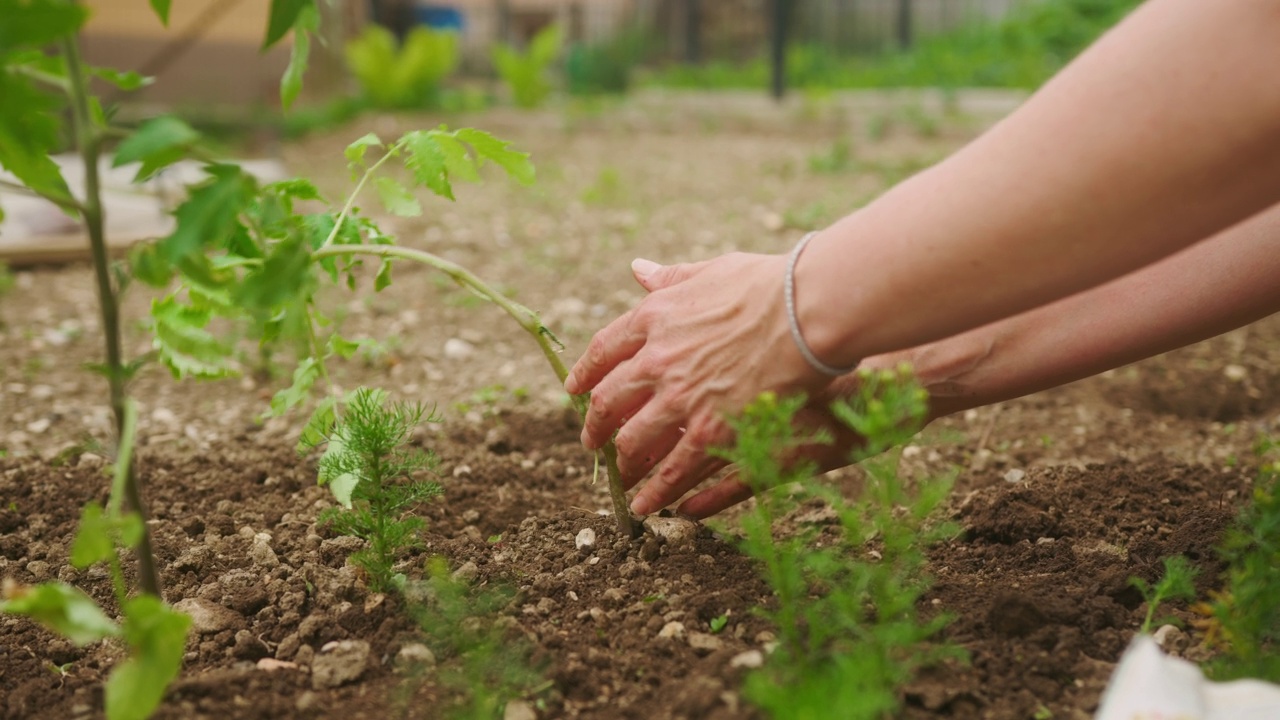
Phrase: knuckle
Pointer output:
(598, 406)
(597, 350)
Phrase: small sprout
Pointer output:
(1178, 582)
(719, 623)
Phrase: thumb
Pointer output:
(653, 276)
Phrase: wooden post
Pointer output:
(781, 15)
(692, 31)
(904, 24)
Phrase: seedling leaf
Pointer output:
(284, 14)
(383, 280)
(306, 21)
(517, 164)
(157, 636)
(35, 23)
(209, 215)
(127, 81)
(63, 609)
(161, 8)
(428, 163)
(319, 425)
(304, 378)
(355, 151)
(93, 538)
(396, 198)
(156, 144)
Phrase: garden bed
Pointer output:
(1062, 496)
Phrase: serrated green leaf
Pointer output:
(306, 22)
(396, 198)
(149, 265)
(157, 637)
(427, 162)
(37, 23)
(318, 426)
(184, 346)
(355, 151)
(156, 144)
(295, 189)
(285, 277)
(383, 280)
(284, 14)
(517, 164)
(161, 8)
(210, 214)
(125, 80)
(63, 609)
(304, 378)
(343, 347)
(93, 542)
(457, 160)
(29, 133)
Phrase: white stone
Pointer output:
(458, 349)
(1015, 475)
(585, 541)
(749, 659)
(672, 629)
(676, 531)
(339, 663)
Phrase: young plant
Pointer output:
(370, 467)
(154, 634)
(394, 76)
(245, 252)
(1246, 612)
(480, 666)
(39, 88)
(849, 632)
(526, 73)
(1178, 582)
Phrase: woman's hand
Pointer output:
(707, 340)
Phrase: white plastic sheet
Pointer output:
(1149, 685)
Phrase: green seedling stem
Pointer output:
(88, 139)
(528, 321)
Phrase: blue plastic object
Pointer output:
(439, 17)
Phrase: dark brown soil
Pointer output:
(1062, 496)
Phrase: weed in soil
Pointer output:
(850, 635)
(371, 469)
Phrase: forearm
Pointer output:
(1163, 133)
(1220, 284)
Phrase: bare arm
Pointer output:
(1165, 132)
(1218, 285)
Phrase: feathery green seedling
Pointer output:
(371, 468)
(1246, 611)
(481, 666)
(1178, 582)
(849, 633)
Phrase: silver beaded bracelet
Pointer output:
(789, 293)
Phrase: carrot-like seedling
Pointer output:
(374, 473)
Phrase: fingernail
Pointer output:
(644, 268)
(641, 505)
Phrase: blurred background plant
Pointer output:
(525, 73)
(410, 74)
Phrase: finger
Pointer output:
(684, 468)
(719, 497)
(618, 341)
(642, 443)
(653, 276)
(619, 396)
